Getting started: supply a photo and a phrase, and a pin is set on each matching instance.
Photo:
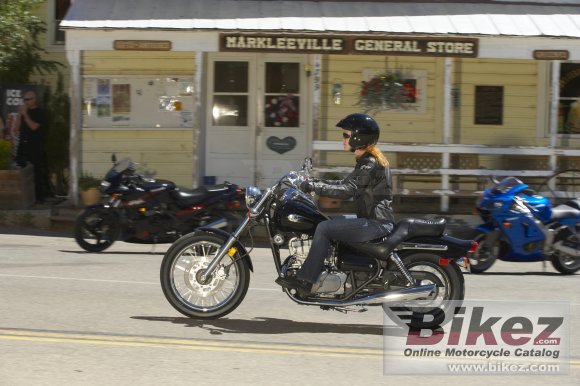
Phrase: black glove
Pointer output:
(307, 186)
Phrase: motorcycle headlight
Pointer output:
(253, 195)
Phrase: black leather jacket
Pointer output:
(371, 186)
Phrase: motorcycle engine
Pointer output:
(330, 282)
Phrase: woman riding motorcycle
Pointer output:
(369, 183)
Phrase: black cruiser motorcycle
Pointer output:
(206, 274)
(147, 211)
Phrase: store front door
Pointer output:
(256, 127)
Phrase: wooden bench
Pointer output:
(418, 182)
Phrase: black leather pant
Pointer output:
(347, 230)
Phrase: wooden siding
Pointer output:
(169, 153)
(166, 154)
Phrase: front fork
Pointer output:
(253, 213)
(225, 249)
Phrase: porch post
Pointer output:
(554, 107)
(75, 142)
(198, 137)
(446, 131)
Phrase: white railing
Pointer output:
(446, 150)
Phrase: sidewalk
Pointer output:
(60, 217)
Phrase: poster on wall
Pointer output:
(11, 101)
(121, 104)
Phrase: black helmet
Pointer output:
(365, 130)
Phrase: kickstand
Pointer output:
(544, 265)
(152, 251)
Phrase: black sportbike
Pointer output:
(206, 274)
(147, 211)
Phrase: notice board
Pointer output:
(138, 101)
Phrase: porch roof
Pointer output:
(527, 18)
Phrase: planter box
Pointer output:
(17, 188)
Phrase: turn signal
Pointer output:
(232, 252)
(507, 224)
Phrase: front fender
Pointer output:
(225, 235)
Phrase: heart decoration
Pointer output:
(281, 146)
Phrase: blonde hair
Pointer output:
(378, 154)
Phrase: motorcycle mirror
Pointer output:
(307, 165)
(494, 180)
(113, 158)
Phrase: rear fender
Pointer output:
(225, 235)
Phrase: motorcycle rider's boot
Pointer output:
(303, 287)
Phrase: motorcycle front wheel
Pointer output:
(181, 271)
(485, 255)
(96, 229)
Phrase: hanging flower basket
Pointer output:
(386, 91)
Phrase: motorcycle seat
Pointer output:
(564, 211)
(195, 196)
(405, 229)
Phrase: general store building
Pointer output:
(244, 90)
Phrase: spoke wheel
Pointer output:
(181, 278)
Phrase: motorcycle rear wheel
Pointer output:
(432, 312)
(96, 229)
(563, 263)
(181, 271)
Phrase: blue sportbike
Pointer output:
(521, 226)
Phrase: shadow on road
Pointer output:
(267, 326)
(520, 274)
(81, 252)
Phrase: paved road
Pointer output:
(76, 318)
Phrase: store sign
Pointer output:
(142, 45)
(328, 44)
(551, 54)
(282, 43)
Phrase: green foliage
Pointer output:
(5, 154)
(21, 54)
(385, 91)
(57, 106)
(87, 181)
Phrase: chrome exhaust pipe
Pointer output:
(394, 296)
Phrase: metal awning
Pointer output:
(528, 18)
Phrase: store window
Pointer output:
(58, 10)
(569, 109)
(230, 100)
(282, 99)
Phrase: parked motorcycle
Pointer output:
(521, 226)
(148, 211)
(206, 274)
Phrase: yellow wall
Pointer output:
(169, 153)
(519, 78)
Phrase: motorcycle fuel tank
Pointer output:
(295, 212)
